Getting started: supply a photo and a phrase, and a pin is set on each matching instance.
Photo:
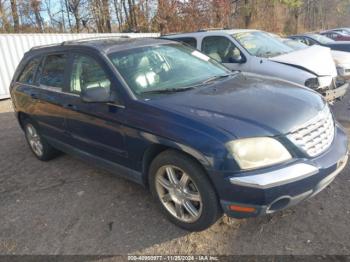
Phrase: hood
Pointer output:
(341, 57)
(317, 59)
(340, 43)
(246, 106)
(340, 46)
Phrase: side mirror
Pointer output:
(237, 59)
(96, 95)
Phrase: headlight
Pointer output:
(343, 70)
(312, 83)
(257, 152)
(340, 70)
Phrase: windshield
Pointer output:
(165, 67)
(322, 39)
(261, 44)
(296, 45)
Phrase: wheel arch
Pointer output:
(157, 148)
(21, 116)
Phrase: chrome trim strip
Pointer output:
(276, 178)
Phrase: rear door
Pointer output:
(49, 96)
(94, 128)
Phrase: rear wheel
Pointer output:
(183, 191)
(39, 146)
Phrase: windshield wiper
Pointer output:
(168, 90)
(182, 89)
(216, 77)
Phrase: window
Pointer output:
(165, 67)
(261, 44)
(187, 40)
(87, 73)
(28, 73)
(53, 70)
(303, 40)
(321, 38)
(220, 48)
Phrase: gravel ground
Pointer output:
(66, 206)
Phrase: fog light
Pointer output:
(242, 209)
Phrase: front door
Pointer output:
(223, 50)
(95, 128)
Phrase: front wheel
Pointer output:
(183, 191)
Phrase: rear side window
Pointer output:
(28, 74)
(187, 40)
(53, 70)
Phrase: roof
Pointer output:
(305, 34)
(106, 45)
(210, 32)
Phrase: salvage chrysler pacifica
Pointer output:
(204, 140)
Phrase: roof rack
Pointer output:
(42, 46)
(212, 29)
(173, 33)
(93, 38)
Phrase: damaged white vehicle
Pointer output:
(257, 52)
(341, 58)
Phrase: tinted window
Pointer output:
(87, 73)
(187, 40)
(53, 71)
(28, 73)
(220, 48)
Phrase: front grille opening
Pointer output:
(315, 136)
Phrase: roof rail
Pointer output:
(93, 38)
(42, 46)
(212, 29)
(173, 33)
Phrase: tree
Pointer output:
(119, 14)
(101, 15)
(3, 17)
(74, 8)
(36, 8)
(15, 15)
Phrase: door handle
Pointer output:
(34, 96)
(70, 106)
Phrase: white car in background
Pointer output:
(255, 51)
(341, 59)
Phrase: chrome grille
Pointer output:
(316, 135)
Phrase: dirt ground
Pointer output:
(66, 206)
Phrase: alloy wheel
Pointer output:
(178, 193)
(34, 140)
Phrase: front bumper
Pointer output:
(263, 192)
(336, 93)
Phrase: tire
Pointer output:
(183, 191)
(37, 143)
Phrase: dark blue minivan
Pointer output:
(203, 139)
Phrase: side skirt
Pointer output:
(112, 167)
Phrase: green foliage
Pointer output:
(292, 3)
